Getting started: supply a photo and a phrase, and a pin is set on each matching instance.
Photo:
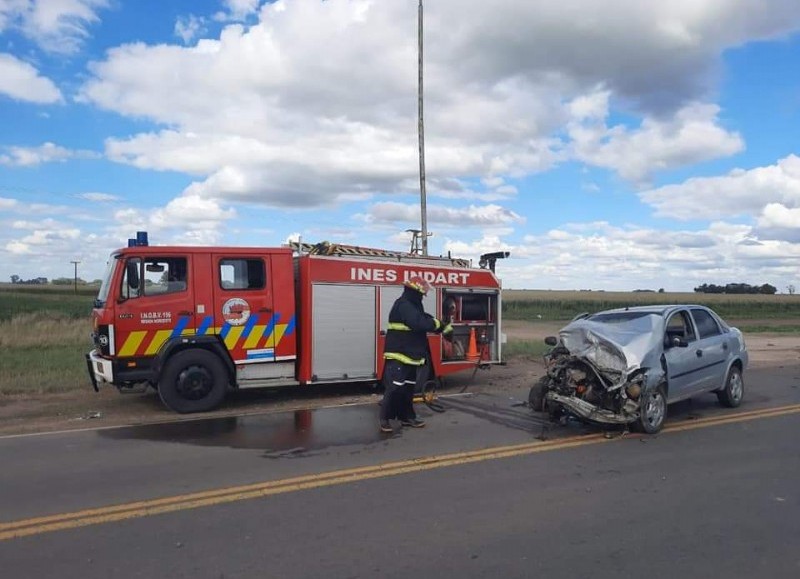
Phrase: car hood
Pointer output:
(616, 348)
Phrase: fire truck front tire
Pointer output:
(193, 381)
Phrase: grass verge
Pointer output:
(528, 349)
(43, 353)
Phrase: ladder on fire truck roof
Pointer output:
(342, 250)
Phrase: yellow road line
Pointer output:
(33, 526)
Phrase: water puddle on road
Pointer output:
(280, 434)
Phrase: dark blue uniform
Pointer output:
(405, 352)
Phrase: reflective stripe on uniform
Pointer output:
(398, 327)
(403, 359)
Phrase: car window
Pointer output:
(679, 325)
(706, 324)
(618, 317)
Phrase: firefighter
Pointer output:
(406, 352)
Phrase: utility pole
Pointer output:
(75, 263)
(423, 204)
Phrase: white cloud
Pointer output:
(779, 222)
(480, 216)
(690, 136)
(58, 26)
(604, 256)
(237, 10)
(43, 238)
(186, 220)
(6, 203)
(21, 81)
(777, 215)
(740, 192)
(316, 101)
(46, 153)
(187, 28)
(97, 197)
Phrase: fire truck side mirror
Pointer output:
(133, 274)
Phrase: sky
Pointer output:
(616, 145)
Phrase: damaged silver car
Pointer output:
(625, 366)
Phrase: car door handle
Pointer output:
(185, 313)
(699, 353)
(724, 345)
(265, 310)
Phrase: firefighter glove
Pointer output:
(447, 329)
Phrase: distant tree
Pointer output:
(661, 290)
(707, 288)
(33, 281)
(63, 281)
(768, 289)
(736, 288)
(790, 289)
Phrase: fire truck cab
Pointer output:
(196, 322)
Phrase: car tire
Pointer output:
(536, 395)
(652, 411)
(733, 392)
(193, 381)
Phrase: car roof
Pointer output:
(658, 309)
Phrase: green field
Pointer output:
(44, 330)
(44, 334)
(564, 305)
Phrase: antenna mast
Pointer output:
(423, 204)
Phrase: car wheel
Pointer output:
(652, 411)
(537, 393)
(733, 392)
(193, 381)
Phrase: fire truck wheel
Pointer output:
(193, 381)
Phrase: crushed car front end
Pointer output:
(604, 371)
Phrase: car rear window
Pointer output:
(618, 317)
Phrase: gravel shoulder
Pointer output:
(83, 408)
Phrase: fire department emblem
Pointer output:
(236, 311)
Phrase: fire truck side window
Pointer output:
(240, 274)
(161, 275)
(164, 275)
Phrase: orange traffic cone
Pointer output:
(472, 349)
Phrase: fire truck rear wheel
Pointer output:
(193, 381)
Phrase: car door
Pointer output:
(683, 363)
(712, 349)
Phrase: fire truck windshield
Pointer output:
(102, 295)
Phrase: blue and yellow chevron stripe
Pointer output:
(250, 336)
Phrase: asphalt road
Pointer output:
(487, 489)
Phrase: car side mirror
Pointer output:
(551, 341)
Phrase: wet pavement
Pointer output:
(308, 432)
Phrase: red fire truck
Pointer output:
(196, 322)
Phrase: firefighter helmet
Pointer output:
(418, 283)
